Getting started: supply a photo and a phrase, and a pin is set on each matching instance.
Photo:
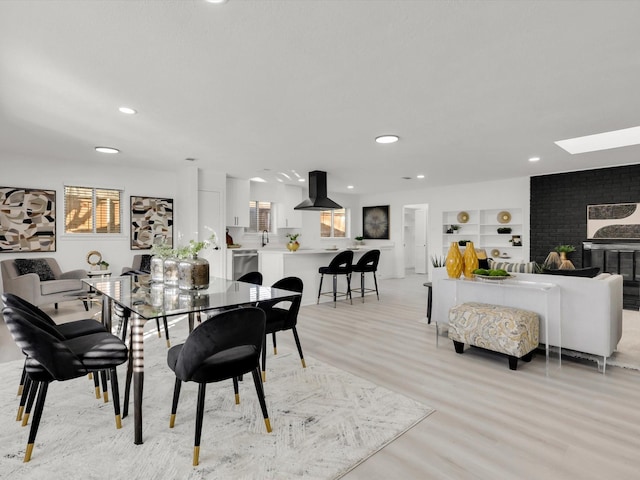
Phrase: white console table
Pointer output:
(540, 297)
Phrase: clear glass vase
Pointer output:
(193, 273)
(157, 269)
(171, 272)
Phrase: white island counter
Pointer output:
(304, 263)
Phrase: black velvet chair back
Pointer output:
(293, 284)
(49, 358)
(341, 263)
(230, 329)
(251, 277)
(368, 262)
(11, 300)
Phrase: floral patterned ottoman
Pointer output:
(507, 330)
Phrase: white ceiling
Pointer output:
(472, 88)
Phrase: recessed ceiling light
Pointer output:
(387, 139)
(301, 179)
(128, 110)
(258, 179)
(349, 187)
(107, 150)
(216, 2)
(420, 176)
(534, 159)
(601, 141)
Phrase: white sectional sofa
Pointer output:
(589, 309)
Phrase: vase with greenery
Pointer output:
(193, 271)
(563, 250)
(293, 243)
(359, 240)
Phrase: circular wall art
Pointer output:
(495, 252)
(94, 257)
(463, 217)
(504, 217)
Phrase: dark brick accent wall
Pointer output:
(559, 202)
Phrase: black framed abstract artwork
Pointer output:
(27, 220)
(375, 222)
(151, 222)
(613, 221)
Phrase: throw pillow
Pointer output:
(145, 263)
(589, 272)
(523, 267)
(37, 265)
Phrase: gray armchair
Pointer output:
(141, 264)
(45, 284)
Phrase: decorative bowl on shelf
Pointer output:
(463, 217)
(504, 217)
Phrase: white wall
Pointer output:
(71, 250)
(512, 193)
(184, 183)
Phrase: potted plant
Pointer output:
(104, 265)
(359, 240)
(563, 250)
(455, 228)
(293, 244)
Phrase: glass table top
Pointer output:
(152, 300)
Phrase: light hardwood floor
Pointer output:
(490, 422)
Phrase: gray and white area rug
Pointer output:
(325, 422)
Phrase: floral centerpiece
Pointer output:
(293, 244)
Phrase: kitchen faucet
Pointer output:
(265, 237)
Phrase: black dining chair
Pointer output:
(251, 277)
(280, 319)
(224, 347)
(52, 357)
(340, 265)
(368, 263)
(68, 330)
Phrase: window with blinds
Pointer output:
(92, 210)
(333, 223)
(259, 216)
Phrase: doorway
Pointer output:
(415, 233)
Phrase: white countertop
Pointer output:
(308, 251)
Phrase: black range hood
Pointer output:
(318, 199)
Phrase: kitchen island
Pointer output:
(304, 263)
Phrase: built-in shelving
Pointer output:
(481, 227)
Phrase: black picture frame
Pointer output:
(376, 222)
(151, 222)
(27, 220)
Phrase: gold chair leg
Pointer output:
(27, 454)
(118, 422)
(304, 365)
(20, 412)
(98, 392)
(196, 456)
(90, 375)
(25, 420)
(168, 343)
(106, 397)
(20, 389)
(237, 399)
(268, 424)
(264, 376)
(172, 420)
(275, 351)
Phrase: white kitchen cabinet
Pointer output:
(287, 217)
(237, 202)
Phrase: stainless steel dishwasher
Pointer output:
(244, 261)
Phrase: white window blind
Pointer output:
(92, 210)
(259, 216)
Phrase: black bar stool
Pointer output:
(368, 263)
(340, 265)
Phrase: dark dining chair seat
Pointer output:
(51, 357)
(251, 277)
(280, 318)
(224, 347)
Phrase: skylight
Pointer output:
(601, 141)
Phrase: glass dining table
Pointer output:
(144, 300)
